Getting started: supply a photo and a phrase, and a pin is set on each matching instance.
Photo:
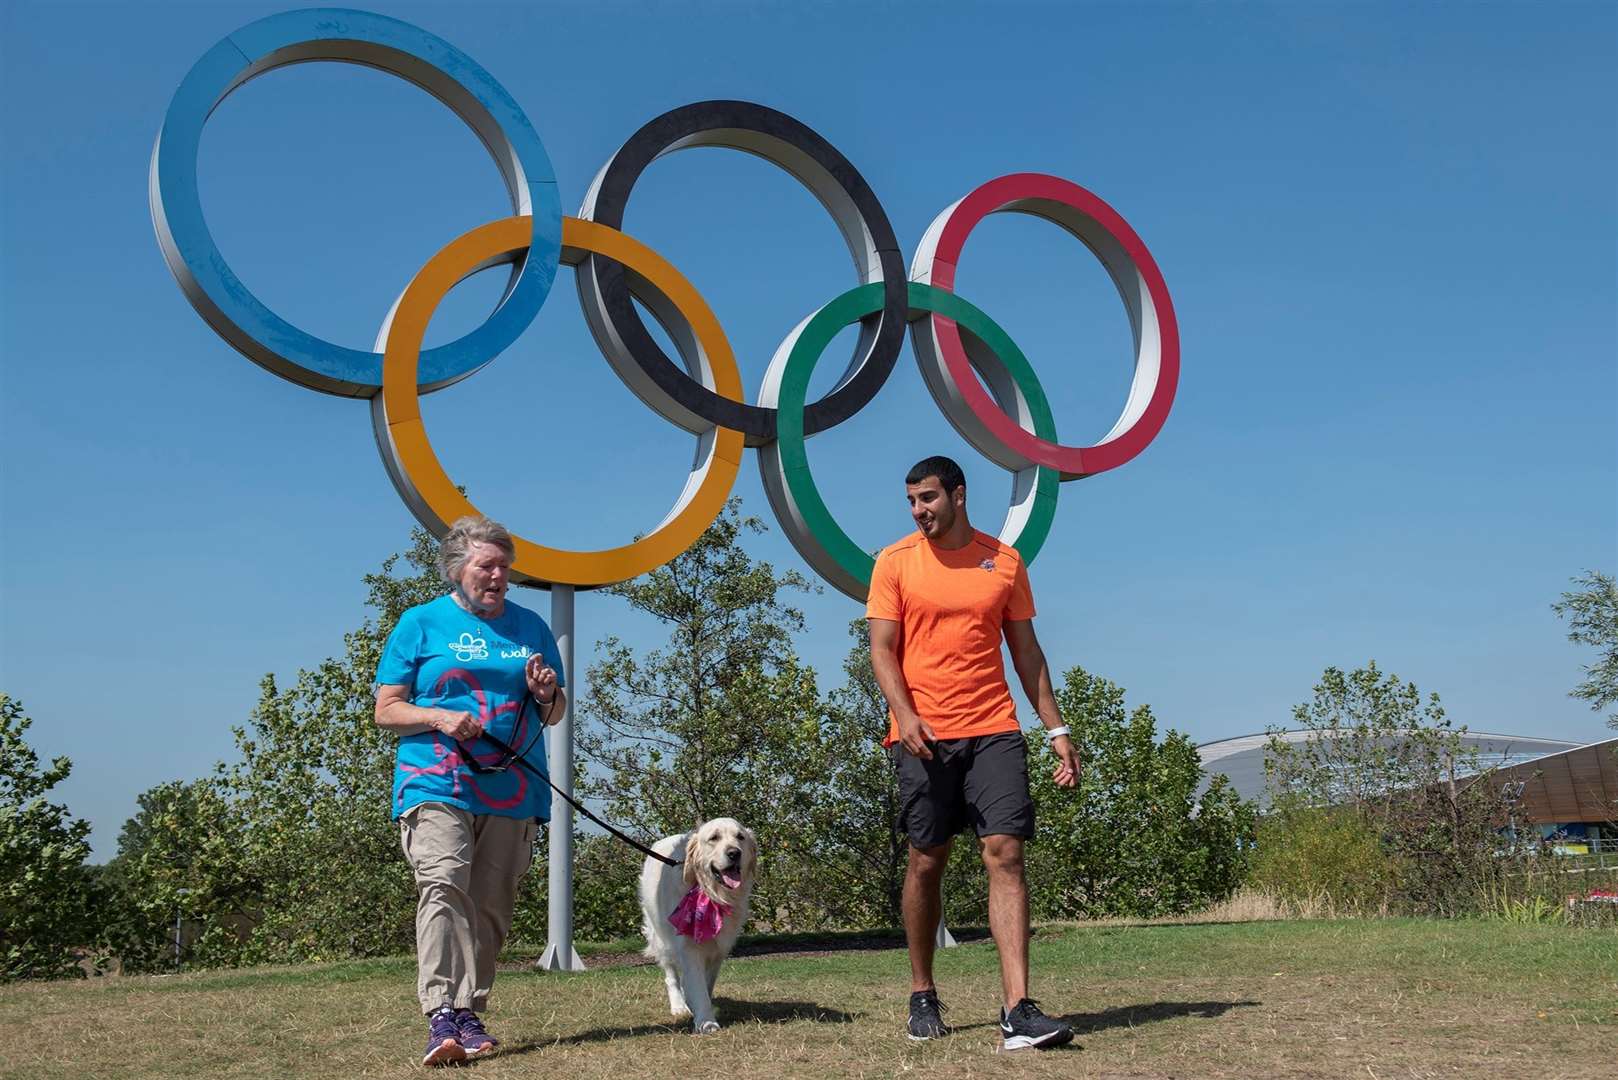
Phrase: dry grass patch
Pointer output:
(1367, 998)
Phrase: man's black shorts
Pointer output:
(980, 781)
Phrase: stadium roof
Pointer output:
(1242, 758)
(1578, 785)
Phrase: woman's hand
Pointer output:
(395, 712)
(541, 679)
(460, 726)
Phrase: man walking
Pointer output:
(940, 601)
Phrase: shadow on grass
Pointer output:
(1136, 1015)
(730, 1012)
(839, 941)
(626, 952)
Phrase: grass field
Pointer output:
(1357, 998)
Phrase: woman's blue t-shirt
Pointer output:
(452, 659)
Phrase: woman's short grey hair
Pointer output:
(457, 544)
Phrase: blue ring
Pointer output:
(399, 49)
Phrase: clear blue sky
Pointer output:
(1389, 231)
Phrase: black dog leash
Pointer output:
(514, 755)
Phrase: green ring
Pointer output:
(793, 459)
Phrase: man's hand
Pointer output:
(914, 734)
(1066, 773)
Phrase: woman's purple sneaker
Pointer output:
(475, 1040)
(443, 1039)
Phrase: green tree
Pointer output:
(723, 721)
(182, 857)
(1371, 736)
(1392, 762)
(855, 813)
(47, 893)
(287, 853)
(1133, 838)
(314, 785)
(1591, 612)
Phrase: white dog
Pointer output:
(707, 897)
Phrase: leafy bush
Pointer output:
(1323, 854)
(181, 857)
(726, 720)
(1383, 784)
(606, 876)
(965, 886)
(47, 893)
(1534, 911)
(1133, 838)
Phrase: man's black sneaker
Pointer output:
(1025, 1026)
(925, 1021)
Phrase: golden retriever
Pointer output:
(710, 889)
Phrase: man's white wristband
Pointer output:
(1054, 733)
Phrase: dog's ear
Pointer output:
(692, 859)
(749, 855)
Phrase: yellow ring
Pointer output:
(421, 478)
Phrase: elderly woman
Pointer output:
(453, 668)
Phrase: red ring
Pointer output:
(1001, 194)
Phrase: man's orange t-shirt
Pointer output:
(951, 607)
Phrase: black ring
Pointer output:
(604, 293)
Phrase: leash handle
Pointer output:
(522, 760)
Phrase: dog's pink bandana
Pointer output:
(699, 915)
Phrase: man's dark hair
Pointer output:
(949, 474)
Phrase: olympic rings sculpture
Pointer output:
(955, 343)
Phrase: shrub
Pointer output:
(1323, 855)
(47, 892)
(1134, 838)
(180, 857)
(1384, 783)
(606, 876)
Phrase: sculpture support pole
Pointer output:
(559, 953)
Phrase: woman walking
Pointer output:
(453, 668)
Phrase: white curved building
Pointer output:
(1242, 758)
(1564, 789)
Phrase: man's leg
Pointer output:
(1003, 814)
(931, 813)
(1008, 912)
(1023, 1025)
(923, 906)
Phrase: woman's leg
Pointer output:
(438, 842)
(503, 852)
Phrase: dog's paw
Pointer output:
(680, 1013)
(706, 1027)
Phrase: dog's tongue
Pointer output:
(730, 882)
